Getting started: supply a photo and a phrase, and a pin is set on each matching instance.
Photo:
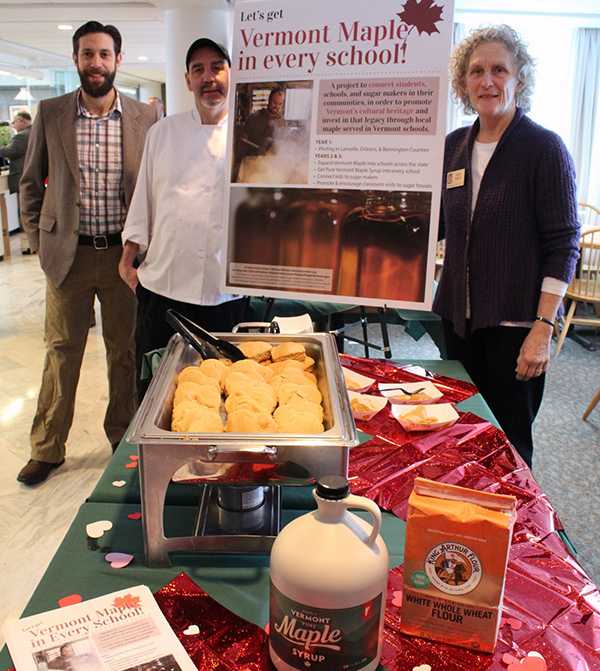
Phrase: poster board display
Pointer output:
(336, 135)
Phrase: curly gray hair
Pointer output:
(524, 63)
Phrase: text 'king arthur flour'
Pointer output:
(456, 551)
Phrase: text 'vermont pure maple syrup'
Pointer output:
(329, 571)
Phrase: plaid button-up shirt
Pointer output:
(100, 150)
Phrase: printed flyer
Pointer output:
(122, 631)
(336, 136)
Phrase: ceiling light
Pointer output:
(64, 26)
(142, 58)
(24, 94)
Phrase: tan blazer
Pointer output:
(50, 214)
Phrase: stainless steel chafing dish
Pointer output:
(239, 473)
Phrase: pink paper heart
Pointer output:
(192, 630)
(131, 464)
(533, 662)
(512, 622)
(119, 483)
(397, 600)
(118, 559)
(135, 516)
(70, 600)
(423, 667)
(507, 658)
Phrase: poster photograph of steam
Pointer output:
(271, 139)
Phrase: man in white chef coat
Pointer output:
(174, 224)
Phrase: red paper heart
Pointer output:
(512, 622)
(134, 457)
(70, 600)
(134, 516)
(131, 464)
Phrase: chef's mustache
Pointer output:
(210, 87)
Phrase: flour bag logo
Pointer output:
(453, 568)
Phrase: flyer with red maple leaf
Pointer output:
(337, 120)
(124, 630)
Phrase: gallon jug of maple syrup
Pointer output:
(329, 571)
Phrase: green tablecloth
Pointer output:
(239, 582)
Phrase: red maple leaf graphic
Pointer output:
(126, 601)
(422, 15)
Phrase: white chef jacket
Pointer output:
(177, 208)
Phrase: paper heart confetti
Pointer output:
(397, 600)
(70, 600)
(512, 622)
(131, 464)
(97, 529)
(134, 457)
(423, 667)
(135, 516)
(192, 630)
(533, 662)
(118, 559)
(119, 483)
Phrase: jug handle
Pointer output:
(371, 507)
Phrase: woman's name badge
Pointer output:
(455, 178)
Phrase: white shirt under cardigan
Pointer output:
(482, 153)
(177, 208)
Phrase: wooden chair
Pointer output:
(588, 215)
(592, 405)
(585, 285)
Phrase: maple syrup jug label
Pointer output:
(330, 639)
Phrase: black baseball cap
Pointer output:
(206, 42)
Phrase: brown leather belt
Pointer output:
(101, 241)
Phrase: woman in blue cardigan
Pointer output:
(509, 216)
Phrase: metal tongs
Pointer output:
(202, 341)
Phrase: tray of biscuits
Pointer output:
(285, 403)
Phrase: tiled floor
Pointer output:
(33, 520)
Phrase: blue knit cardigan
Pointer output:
(524, 226)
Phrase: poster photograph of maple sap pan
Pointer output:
(271, 141)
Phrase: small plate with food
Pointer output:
(356, 381)
(425, 417)
(413, 393)
(365, 407)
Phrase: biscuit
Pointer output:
(308, 364)
(304, 405)
(288, 350)
(194, 374)
(183, 414)
(237, 378)
(263, 397)
(247, 421)
(292, 375)
(208, 421)
(252, 367)
(290, 391)
(215, 368)
(206, 395)
(257, 350)
(294, 421)
(286, 363)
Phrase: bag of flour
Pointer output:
(457, 544)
